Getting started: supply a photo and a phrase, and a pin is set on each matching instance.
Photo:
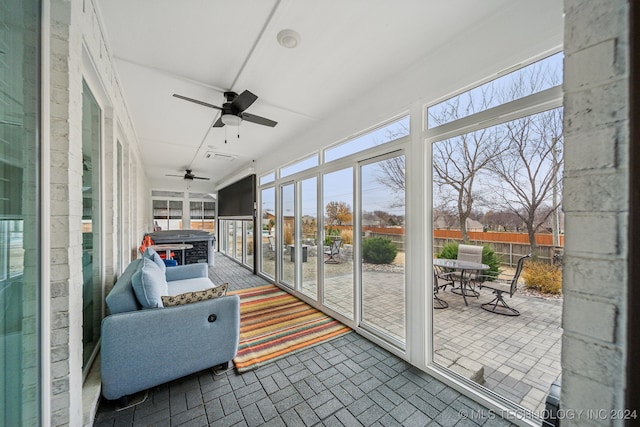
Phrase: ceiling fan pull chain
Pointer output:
(225, 134)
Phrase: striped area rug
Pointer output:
(275, 324)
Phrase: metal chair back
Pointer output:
(470, 253)
(516, 276)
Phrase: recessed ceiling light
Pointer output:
(289, 38)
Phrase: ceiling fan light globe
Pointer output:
(231, 120)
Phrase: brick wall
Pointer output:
(595, 204)
(74, 28)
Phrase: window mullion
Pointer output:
(532, 104)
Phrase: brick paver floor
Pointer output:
(519, 356)
(348, 381)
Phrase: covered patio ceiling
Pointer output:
(201, 48)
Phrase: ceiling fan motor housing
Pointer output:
(230, 96)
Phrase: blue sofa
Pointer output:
(146, 347)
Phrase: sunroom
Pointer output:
(413, 126)
(363, 142)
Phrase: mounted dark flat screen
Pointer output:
(238, 198)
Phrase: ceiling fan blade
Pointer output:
(258, 120)
(243, 101)
(197, 102)
(181, 176)
(201, 177)
(218, 123)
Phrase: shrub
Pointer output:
(287, 236)
(347, 236)
(543, 277)
(378, 250)
(450, 251)
(330, 232)
(490, 258)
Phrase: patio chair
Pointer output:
(334, 249)
(439, 282)
(498, 305)
(470, 253)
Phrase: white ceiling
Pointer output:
(200, 48)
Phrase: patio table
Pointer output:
(464, 267)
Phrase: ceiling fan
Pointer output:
(233, 110)
(189, 176)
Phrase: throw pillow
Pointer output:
(155, 257)
(189, 297)
(149, 284)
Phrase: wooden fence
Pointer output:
(508, 247)
(508, 252)
(497, 236)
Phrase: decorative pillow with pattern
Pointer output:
(189, 297)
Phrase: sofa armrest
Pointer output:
(146, 348)
(188, 271)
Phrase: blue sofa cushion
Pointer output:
(155, 257)
(189, 297)
(149, 284)
(122, 298)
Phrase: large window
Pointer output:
(382, 135)
(203, 216)
(19, 214)
(299, 166)
(167, 214)
(537, 77)
(497, 174)
(322, 212)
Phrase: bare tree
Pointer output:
(393, 174)
(393, 170)
(457, 164)
(523, 153)
(528, 168)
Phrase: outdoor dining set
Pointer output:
(465, 277)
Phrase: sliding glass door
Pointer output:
(308, 241)
(19, 214)
(287, 232)
(382, 195)
(91, 225)
(268, 235)
(338, 292)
